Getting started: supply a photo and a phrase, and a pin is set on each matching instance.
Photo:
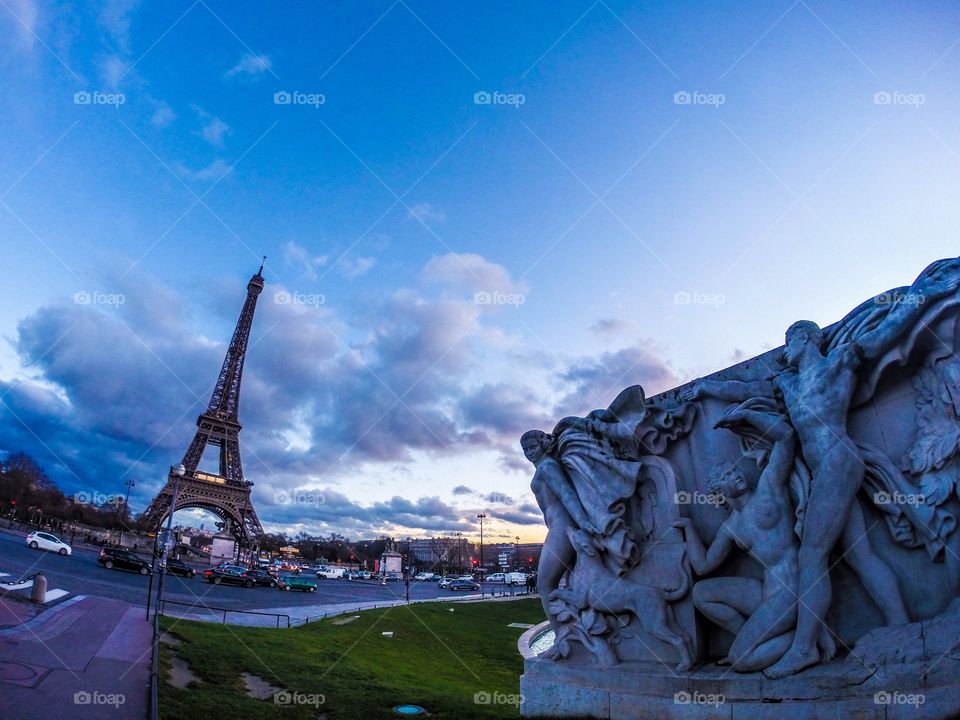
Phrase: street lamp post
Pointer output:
(126, 514)
(178, 472)
(460, 553)
(481, 517)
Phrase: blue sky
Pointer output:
(654, 190)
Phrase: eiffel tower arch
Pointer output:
(224, 493)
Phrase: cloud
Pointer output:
(299, 258)
(612, 327)
(213, 129)
(112, 69)
(426, 213)
(163, 115)
(250, 65)
(595, 381)
(352, 268)
(214, 171)
(23, 16)
(471, 272)
(115, 17)
(462, 490)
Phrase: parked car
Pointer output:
(261, 577)
(46, 541)
(229, 576)
(420, 577)
(465, 577)
(331, 573)
(364, 574)
(515, 578)
(124, 560)
(297, 583)
(445, 582)
(392, 577)
(463, 585)
(495, 578)
(179, 567)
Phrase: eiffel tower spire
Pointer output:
(225, 493)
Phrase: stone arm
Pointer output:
(941, 281)
(777, 428)
(729, 390)
(704, 560)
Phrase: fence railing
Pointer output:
(281, 619)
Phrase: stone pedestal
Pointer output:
(910, 672)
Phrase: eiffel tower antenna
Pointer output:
(224, 493)
(260, 271)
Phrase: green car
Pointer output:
(294, 582)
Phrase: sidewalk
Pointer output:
(84, 658)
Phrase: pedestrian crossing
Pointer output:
(23, 588)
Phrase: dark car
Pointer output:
(463, 585)
(229, 576)
(261, 577)
(179, 567)
(124, 560)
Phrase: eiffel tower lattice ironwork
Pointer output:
(225, 494)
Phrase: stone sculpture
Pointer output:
(833, 460)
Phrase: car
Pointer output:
(445, 582)
(124, 560)
(261, 577)
(420, 577)
(463, 585)
(46, 541)
(364, 574)
(331, 573)
(297, 583)
(229, 576)
(179, 567)
(515, 578)
(495, 578)
(392, 577)
(465, 577)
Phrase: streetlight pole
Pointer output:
(126, 514)
(481, 517)
(460, 553)
(178, 472)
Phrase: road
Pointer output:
(81, 574)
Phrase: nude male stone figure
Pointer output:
(817, 390)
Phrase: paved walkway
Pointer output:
(88, 657)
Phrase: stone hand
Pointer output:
(693, 391)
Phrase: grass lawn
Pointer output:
(437, 659)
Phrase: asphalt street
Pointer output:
(81, 574)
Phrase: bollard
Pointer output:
(39, 591)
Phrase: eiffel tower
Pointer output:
(225, 494)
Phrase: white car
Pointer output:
(423, 576)
(495, 578)
(46, 541)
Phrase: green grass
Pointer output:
(437, 659)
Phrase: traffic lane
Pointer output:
(80, 573)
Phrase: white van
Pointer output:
(515, 578)
(331, 573)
